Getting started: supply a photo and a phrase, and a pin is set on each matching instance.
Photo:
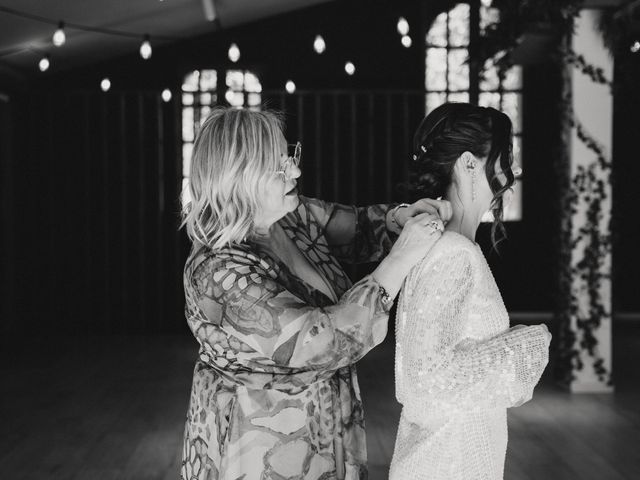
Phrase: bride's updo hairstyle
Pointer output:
(449, 131)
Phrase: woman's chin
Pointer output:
(293, 199)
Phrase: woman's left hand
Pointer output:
(441, 208)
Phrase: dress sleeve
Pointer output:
(270, 330)
(447, 370)
(355, 234)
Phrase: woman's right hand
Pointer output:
(417, 237)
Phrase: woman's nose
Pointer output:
(294, 171)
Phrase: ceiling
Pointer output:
(24, 41)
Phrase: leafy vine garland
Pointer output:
(596, 74)
(588, 186)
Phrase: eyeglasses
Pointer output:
(294, 153)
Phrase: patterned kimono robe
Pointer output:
(275, 393)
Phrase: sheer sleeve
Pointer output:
(270, 330)
(355, 234)
(445, 370)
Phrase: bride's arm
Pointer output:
(445, 369)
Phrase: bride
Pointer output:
(458, 364)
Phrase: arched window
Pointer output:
(243, 89)
(448, 76)
(199, 94)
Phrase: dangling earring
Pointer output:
(471, 166)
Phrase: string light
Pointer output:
(635, 48)
(145, 48)
(234, 53)
(350, 68)
(319, 44)
(44, 63)
(290, 87)
(105, 84)
(403, 26)
(406, 41)
(59, 37)
(230, 96)
(166, 95)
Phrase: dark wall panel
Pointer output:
(99, 250)
(7, 217)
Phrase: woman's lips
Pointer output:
(293, 191)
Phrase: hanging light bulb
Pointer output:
(403, 26)
(44, 63)
(406, 41)
(166, 95)
(145, 48)
(635, 48)
(319, 45)
(234, 53)
(350, 68)
(105, 84)
(59, 37)
(290, 87)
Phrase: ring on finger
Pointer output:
(435, 225)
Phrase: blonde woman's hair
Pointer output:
(234, 154)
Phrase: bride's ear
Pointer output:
(467, 164)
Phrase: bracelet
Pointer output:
(394, 220)
(385, 298)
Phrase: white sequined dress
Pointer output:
(458, 367)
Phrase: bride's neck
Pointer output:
(464, 222)
(463, 228)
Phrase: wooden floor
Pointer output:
(113, 408)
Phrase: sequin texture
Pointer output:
(458, 367)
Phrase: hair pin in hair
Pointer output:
(423, 149)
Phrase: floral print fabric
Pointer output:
(275, 393)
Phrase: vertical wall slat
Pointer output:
(318, 140)
(124, 211)
(406, 132)
(160, 259)
(104, 215)
(7, 204)
(372, 178)
(388, 158)
(179, 237)
(141, 300)
(353, 193)
(335, 174)
(89, 255)
(300, 119)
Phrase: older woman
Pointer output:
(275, 393)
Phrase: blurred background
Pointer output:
(99, 106)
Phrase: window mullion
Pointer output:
(474, 37)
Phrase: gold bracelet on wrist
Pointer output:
(385, 298)
(394, 220)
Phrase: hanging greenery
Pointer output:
(501, 38)
(586, 187)
(596, 74)
(582, 278)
